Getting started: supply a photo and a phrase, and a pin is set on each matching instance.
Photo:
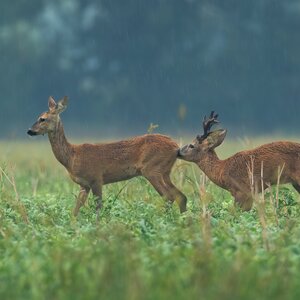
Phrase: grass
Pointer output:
(139, 249)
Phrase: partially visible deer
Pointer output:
(232, 173)
(93, 165)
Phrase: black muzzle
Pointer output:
(31, 132)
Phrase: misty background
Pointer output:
(125, 64)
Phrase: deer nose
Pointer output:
(182, 150)
(31, 132)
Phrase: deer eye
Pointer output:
(191, 146)
(42, 120)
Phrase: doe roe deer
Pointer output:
(232, 173)
(93, 165)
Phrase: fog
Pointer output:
(126, 64)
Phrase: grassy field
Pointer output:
(140, 249)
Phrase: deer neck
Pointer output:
(61, 148)
(212, 166)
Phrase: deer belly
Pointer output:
(111, 176)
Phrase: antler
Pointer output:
(207, 125)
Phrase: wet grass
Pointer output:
(139, 249)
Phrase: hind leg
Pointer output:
(179, 197)
(158, 183)
(295, 180)
(165, 190)
(296, 187)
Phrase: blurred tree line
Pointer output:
(125, 64)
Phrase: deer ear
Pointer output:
(62, 105)
(216, 138)
(51, 104)
(211, 144)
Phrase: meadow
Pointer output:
(141, 248)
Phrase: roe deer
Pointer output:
(93, 165)
(232, 173)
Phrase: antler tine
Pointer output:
(204, 124)
(213, 115)
(208, 123)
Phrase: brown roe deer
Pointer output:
(93, 165)
(232, 173)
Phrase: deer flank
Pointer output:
(93, 165)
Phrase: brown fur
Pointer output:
(232, 173)
(93, 165)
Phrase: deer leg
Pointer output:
(163, 189)
(157, 183)
(243, 200)
(97, 192)
(296, 187)
(81, 198)
(179, 197)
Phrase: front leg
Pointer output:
(97, 192)
(82, 196)
(243, 200)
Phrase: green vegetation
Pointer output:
(140, 249)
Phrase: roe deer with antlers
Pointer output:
(93, 165)
(233, 173)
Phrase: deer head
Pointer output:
(204, 143)
(48, 121)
